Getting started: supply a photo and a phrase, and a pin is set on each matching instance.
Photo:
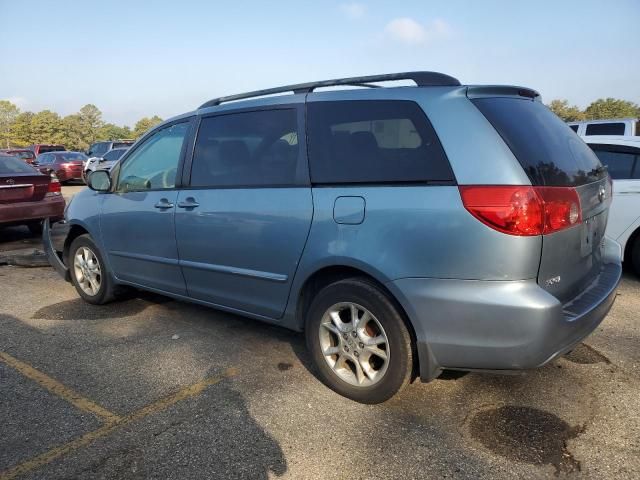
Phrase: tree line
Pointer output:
(603, 108)
(79, 130)
(76, 131)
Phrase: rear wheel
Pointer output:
(358, 341)
(635, 255)
(89, 273)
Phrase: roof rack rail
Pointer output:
(422, 79)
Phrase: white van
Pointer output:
(621, 126)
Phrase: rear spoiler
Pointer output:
(485, 91)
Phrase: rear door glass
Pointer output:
(614, 128)
(546, 147)
(378, 141)
(621, 162)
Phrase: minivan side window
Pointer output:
(154, 164)
(258, 148)
(377, 141)
(615, 128)
(622, 163)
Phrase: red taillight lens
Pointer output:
(54, 186)
(523, 210)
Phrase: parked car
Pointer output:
(23, 153)
(65, 165)
(41, 148)
(99, 149)
(366, 218)
(104, 163)
(27, 196)
(621, 155)
(621, 126)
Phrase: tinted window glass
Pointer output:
(71, 156)
(245, 149)
(154, 164)
(51, 148)
(605, 129)
(620, 161)
(121, 144)
(43, 159)
(10, 165)
(574, 128)
(548, 150)
(373, 141)
(114, 154)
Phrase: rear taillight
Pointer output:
(523, 210)
(54, 187)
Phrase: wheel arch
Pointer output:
(327, 275)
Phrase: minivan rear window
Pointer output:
(373, 141)
(613, 128)
(546, 147)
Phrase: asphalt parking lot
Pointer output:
(148, 387)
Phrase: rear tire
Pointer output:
(635, 255)
(369, 360)
(89, 273)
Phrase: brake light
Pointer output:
(54, 187)
(523, 210)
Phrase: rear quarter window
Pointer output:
(379, 141)
(613, 128)
(546, 147)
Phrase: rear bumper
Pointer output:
(23, 212)
(494, 325)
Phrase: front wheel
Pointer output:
(88, 271)
(359, 342)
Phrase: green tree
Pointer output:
(21, 133)
(8, 114)
(91, 122)
(109, 131)
(611, 108)
(145, 124)
(73, 133)
(47, 127)
(566, 112)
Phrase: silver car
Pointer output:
(103, 163)
(406, 230)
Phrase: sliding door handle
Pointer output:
(188, 202)
(163, 204)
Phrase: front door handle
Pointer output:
(163, 204)
(188, 202)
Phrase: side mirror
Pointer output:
(99, 180)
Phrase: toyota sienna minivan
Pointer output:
(404, 229)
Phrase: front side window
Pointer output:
(621, 162)
(257, 148)
(154, 164)
(373, 141)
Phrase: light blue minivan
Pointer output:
(404, 229)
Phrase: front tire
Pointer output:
(89, 273)
(358, 341)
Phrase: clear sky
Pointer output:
(134, 58)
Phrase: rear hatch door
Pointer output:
(552, 155)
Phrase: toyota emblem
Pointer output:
(11, 181)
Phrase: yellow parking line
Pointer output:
(58, 388)
(88, 438)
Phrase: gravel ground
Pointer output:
(152, 388)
